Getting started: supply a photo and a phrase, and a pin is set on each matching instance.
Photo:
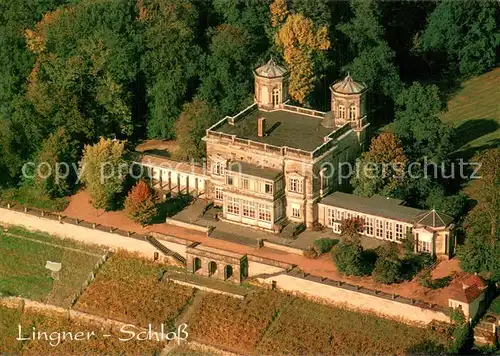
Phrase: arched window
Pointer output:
(276, 96)
(342, 112)
(352, 113)
(228, 272)
(196, 264)
(212, 268)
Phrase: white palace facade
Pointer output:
(274, 163)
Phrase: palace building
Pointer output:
(274, 163)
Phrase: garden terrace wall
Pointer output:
(285, 248)
(358, 298)
(187, 225)
(54, 224)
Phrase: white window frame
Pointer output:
(295, 185)
(342, 112)
(218, 168)
(331, 213)
(219, 195)
(352, 113)
(296, 213)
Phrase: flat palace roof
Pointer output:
(283, 128)
(253, 170)
(375, 205)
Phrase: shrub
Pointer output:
(348, 257)
(323, 245)
(388, 266)
(140, 204)
(311, 253)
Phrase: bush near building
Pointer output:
(388, 268)
(348, 258)
(323, 245)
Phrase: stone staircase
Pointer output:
(163, 249)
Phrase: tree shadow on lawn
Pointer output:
(471, 130)
(171, 206)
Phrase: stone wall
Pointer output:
(356, 300)
(76, 232)
(221, 267)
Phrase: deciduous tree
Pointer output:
(56, 160)
(141, 203)
(103, 171)
(381, 170)
(170, 61)
(196, 117)
(467, 31)
(300, 40)
(418, 125)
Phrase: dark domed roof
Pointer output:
(348, 86)
(328, 121)
(271, 70)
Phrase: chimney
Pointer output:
(261, 127)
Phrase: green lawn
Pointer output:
(23, 272)
(475, 111)
(32, 197)
(495, 306)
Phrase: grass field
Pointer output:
(127, 289)
(23, 256)
(98, 344)
(475, 112)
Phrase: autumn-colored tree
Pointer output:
(300, 40)
(381, 169)
(140, 204)
(279, 12)
(103, 171)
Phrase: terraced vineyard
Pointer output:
(127, 289)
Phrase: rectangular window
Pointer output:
(424, 246)
(369, 226)
(248, 208)
(399, 232)
(244, 183)
(268, 188)
(218, 168)
(295, 185)
(218, 193)
(341, 112)
(296, 211)
(388, 230)
(379, 231)
(229, 180)
(264, 212)
(331, 217)
(233, 206)
(352, 113)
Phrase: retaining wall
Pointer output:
(356, 300)
(84, 232)
(296, 251)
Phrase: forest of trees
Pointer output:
(73, 71)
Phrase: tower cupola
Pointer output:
(348, 101)
(271, 85)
